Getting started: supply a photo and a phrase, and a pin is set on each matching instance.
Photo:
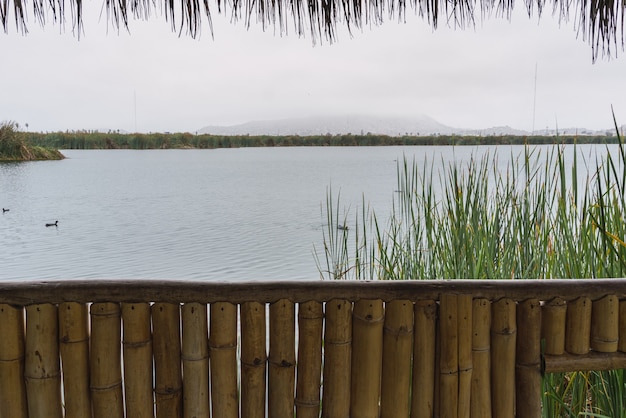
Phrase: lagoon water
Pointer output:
(223, 214)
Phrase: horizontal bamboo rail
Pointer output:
(470, 349)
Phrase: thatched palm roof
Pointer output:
(600, 22)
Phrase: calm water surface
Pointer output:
(224, 214)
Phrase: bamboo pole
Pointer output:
(105, 361)
(423, 373)
(282, 359)
(253, 359)
(42, 371)
(74, 348)
(195, 356)
(367, 350)
(13, 401)
(503, 336)
(466, 365)
(397, 356)
(337, 359)
(449, 356)
(578, 326)
(223, 346)
(138, 360)
(622, 326)
(480, 405)
(206, 291)
(310, 322)
(553, 318)
(592, 361)
(528, 353)
(605, 324)
(167, 367)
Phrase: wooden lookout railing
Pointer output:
(339, 349)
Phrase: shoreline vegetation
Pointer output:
(14, 146)
(115, 140)
(541, 218)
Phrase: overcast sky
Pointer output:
(152, 80)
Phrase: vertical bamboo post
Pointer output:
(223, 346)
(367, 351)
(397, 353)
(423, 374)
(622, 326)
(480, 406)
(42, 371)
(503, 336)
(167, 367)
(253, 359)
(528, 352)
(464, 322)
(12, 386)
(578, 326)
(553, 318)
(195, 356)
(105, 368)
(282, 359)
(310, 322)
(137, 345)
(605, 324)
(337, 359)
(449, 360)
(74, 348)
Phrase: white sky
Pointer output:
(153, 80)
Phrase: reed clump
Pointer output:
(545, 214)
(15, 147)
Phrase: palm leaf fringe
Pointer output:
(601, 22)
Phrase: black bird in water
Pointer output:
(56, 223)
(5, 210)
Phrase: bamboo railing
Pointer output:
(467, 349)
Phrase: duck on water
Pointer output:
(56, 223)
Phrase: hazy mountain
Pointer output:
(360, 125)
(357, 125)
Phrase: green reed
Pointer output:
(538, 218)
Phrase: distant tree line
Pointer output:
(114, 140)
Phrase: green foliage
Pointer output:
(116, 140)
(14, 146)
(471, 221)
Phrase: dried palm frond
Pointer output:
(600, 22)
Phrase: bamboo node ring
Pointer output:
(106, 387)
(368, 318)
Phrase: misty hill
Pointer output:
(336, 125)
(421, 125)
